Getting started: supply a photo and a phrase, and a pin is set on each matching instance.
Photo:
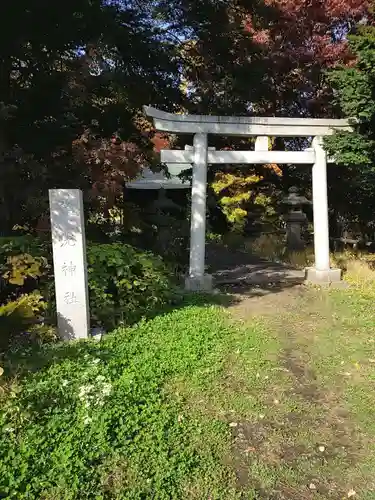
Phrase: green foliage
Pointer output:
(355, 88)
(20, 316)
(355, 96)
(350, 149)
(26, 289)
(125, 283)
(178, 407)
(355, 152)
(97, 421)
(17, 244)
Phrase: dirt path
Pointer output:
(310, 441)
(240, 269)
(266, 300)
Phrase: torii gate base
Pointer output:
(262, 128)
(199, 283)
(316, 277)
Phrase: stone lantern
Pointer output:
(162, 208)
(295, 219)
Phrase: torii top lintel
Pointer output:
(245, 125)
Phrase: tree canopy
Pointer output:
(74, 77)
(354, 90)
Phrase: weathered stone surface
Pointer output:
(244, 125)
(69, 262)
(316, 277)
(199, 283)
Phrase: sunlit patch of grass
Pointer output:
(359, 267)
(360, 272)
(94, 419)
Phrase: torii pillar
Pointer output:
(322, 273)
(198, 280)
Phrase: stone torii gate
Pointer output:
(200, 155)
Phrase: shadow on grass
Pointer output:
(23, 358)
(27, 356)
(249, 290)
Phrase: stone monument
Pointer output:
(69, 262)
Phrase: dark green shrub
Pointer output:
(125, 283)
(14, 245)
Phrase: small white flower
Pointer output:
(87, 420)
(100, 378)
(95, 361)
(9, 429)
(106, 389)
(321, 449)
(64, 383)
(84, 389)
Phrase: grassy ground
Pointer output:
(266, 397)
(315, 436)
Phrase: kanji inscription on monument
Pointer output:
(69, 262)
